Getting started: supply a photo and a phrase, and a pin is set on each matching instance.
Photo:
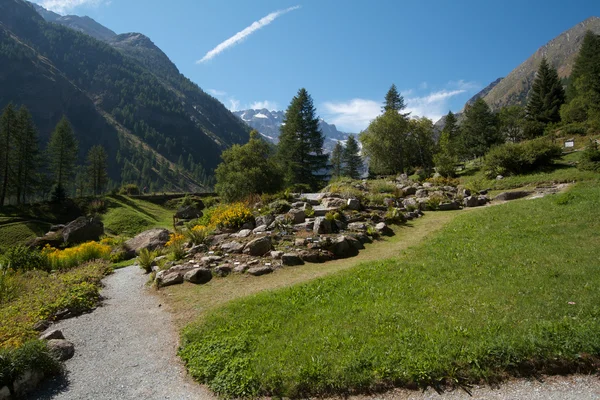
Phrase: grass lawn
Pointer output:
(499, 291)
(127, 216)
(14, 233)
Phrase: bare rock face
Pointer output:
(151, 239)
(258, 247)
(83, 229)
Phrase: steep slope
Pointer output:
(267, 123)
(159, 114)
(560, 52)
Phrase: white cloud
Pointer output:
(217, 93)
(352, 116)
(269, 105)
(234, 104)
(432, 106)
(241, 35)
(464, 85)
(64, 6)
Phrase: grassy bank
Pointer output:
(507, 290)
(128, 216)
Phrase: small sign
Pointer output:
(570, 143)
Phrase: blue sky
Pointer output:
(345, 53)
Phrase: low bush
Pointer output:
(145, 259)
(590, 158)
(280, 206)
(176, 246)
(231, 216)
(22, 258)
(520, 158)
(74, 256)
(382, 187)
(198, 234)
(129, 190)
(32, 356)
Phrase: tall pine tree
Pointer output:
(335, 159)
(546, 97)
(8, 132)
(479, 130)
(97, 169)
(300, 148)
(352, 160)
(27, 158)
(62, 153)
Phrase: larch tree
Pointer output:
(62, 154)
(351, 158)
(335, 159)
(97, 169)
(300, 148)
(8, 132)
(27, 158)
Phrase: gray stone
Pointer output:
(300, 242)
(258, 271)
(470, 201)
(248, 226)
(210, 259)
(355, 243)
(305, 226)
(421, 193)
(298, 216)
(258, 247)
(353, 204)
(276, 255)
(322, 226)
(453, 205)
(61, 349)
(340, 247)
(198, 276)
(41, 326)
(409, 190)
(316, 256)
(383, 229)
(244, 233)
(169, 278)
(260, 229)
(264, 220)
(321, 211)
(333, 202)
(483, 200)
(188, 212)
(223, 270)
(291, 259)
(357, 226)
(506, 196)
(427, 185)
(53, 334)
(499, 177)
(232, 247)
(218, 239)
(83, 229)
(410, 203)
(151, 239)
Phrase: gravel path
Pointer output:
(124, 350)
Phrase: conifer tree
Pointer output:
(62, 153)
(546, 97)
(394, 101)
(97, 169)
(8, 132)
(351, 159)
(479, 130)
(27, 158)
(451, 126)
(335, 159)
(300, 148)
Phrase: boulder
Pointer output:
(355, 243)
(41, 326)
(198, 276)
(333, 202)
(83, 229)
(244, 233)
(321, 211)
(340, 247)
(53, 334)
(56, 228)
(427, 185)
(410, 203)
(453, 205)
(276, 255)
(232, 247)
(248, 226)
(223, 270)
(357, 226)
(169, 278)
(471, 201)
(353, 204)
(383, 229)
(240, 269)
(291, 259)
(53, 239)
(61, 349)
(218, 239)
(264, 220)
(506, 196)
(300, 242)
(151, 239)
(316, 256)
(322, 226)
(210, 259)
(298, 216)
(260, 229)
(188, 212)
(258, 247)
(258, 271)
(483, 200)
(305, 226)
(409, 190)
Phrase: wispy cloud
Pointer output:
(356, 114)
(241, 35)
(269, 105)
(216, 93)
(64, 6)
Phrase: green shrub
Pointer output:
(515, 159)
(574, 129)
(280, 206)
(33, 355)
(22, 258)
(434, 202)
(590, 158)
(198, 234)
(377, 199)
(382, 187)
(7, 285)
(394, 216)
(145, 259)
(129, 190)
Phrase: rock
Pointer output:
(321, 211)
(453, 205)
(232, 247)
(56, 228)
(169, 278)
(61, 349)
(300, 242)
(276, 255)
(240, 269)
(421, 193)
(363, 238)
(353, 204)
(260, 229)
(83, 229)
(258, 247)
(210, 259)
(410, 203)
(333, 202)
(357, 226)
(298, 216)
(198, 276)
(484, 191)
(53, 334)
(316, 256)
(223, 270)
(244, 233)
(409, 190)
(291, 259)
(248, 226)
(258, 271)
(299, 204)
(499, 177)
(264, 220)
(218, 239)
(41, 326)
(322, 226)
(506, 196)
(470, 201)
(53, 239)
(305, 226)
(188, 212)
(383, 229)
(151, 239)
(340, 247)
(355, 243)
(483, 200)
(387, 202)
(427, 185)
